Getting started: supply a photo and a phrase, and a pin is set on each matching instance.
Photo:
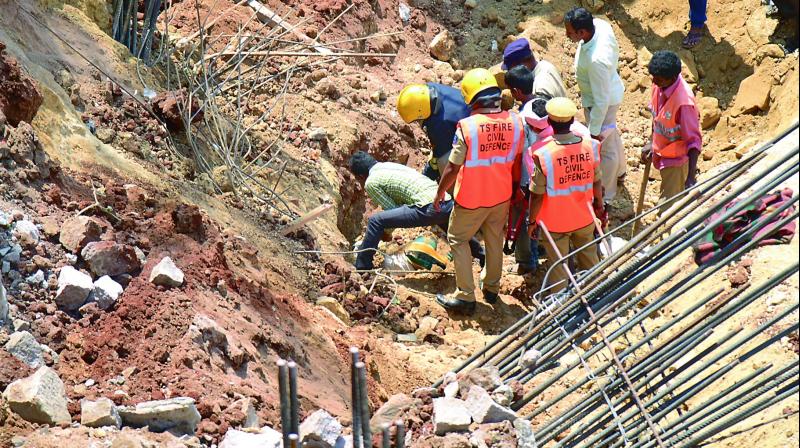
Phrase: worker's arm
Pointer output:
(375, 191)
(445, 183)
(600, 75)
(534, 207)
(689, 121)
(538, 188)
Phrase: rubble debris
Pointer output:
(177, 415)
(503, 395)
(110, 258)
(487, 378)
(26, 232)
(165, 273)
(3, 303)
(39, 398)
(484, 410)
(78, 231)
(710, 112)
(529, 359)
(265, 438)
(98, 413)
(19, 96)
(105, 293)
(524, 433)
(394, 407)
(73, 288)
(753, 94)
(23, 346)
(168, 107)
(450, 415)
(320, 430)
(335, 307)
(442, 46)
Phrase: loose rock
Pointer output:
(442, 46)
(101, 412)
(73, 288)
(23, 346)
(525, 437)
(320, 429)
(176, 415)
(106, 292)
(39, 398)
(488, 378)
(165, 273)
(79, 231)
(709, 111)
(110, 258)
(484, 410)
(266, 438)
(26, 232)
(753, 94)
(450, 415)
(335, 307)
(394, 407)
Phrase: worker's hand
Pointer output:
(398, 239)
(691, 180)
(598, 137)
(386, 237)
(601, 213)
(533, 229)
(647, 153)
(437, 201)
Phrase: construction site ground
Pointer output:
(261, 287)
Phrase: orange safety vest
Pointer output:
(569, 170)
(494, 141)
(667, 139)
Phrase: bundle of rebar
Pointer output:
(596, 369)
(361, 429)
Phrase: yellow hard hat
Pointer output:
(476, 81)
(561, 109)
(414, 102)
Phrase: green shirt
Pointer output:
(392, 185)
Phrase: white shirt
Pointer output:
(596, 69)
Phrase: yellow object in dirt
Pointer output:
(422, 253)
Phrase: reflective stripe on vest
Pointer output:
(667, 137)
(547, 158)
(569, 184)
(485, 178)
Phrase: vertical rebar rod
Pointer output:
(602, 335)
(400, 435)
(283, 391)
(366, 431)
(355, 398)
(294, 440)
(386, 438)
(294, 403)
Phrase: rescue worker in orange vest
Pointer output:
(566, 179)
(484, 166)
(676, 141)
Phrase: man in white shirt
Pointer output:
(596, 70)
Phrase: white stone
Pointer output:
(484, 410)
(23, 346)
(37, 278)
(266, 438)
(442, 46)
(73, 288)
(177, 415)
(450, 415)
(99, 413)
(525, 437)
(165, 273)
(530, 359)
(39, 398)
(320, 429)
(503, 395)
(318, 134)
(3, 303)
(5, 219)
(106, 292)
(451, 390)
(26, 232)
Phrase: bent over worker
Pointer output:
(406, 197)
(484, 166)
(438, 108)
(676, 141)
(566, 179)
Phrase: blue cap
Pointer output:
(516, 52)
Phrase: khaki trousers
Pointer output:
(464, 224)
(585, 259)
(673, 181)
(613, 162)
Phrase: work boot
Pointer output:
(490, 297)
(453, 304)
(481, 260)
(525, 269)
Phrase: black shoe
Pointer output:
(455, 304)
(482, 260)
(490, 297)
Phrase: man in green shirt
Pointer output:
(406, 196)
